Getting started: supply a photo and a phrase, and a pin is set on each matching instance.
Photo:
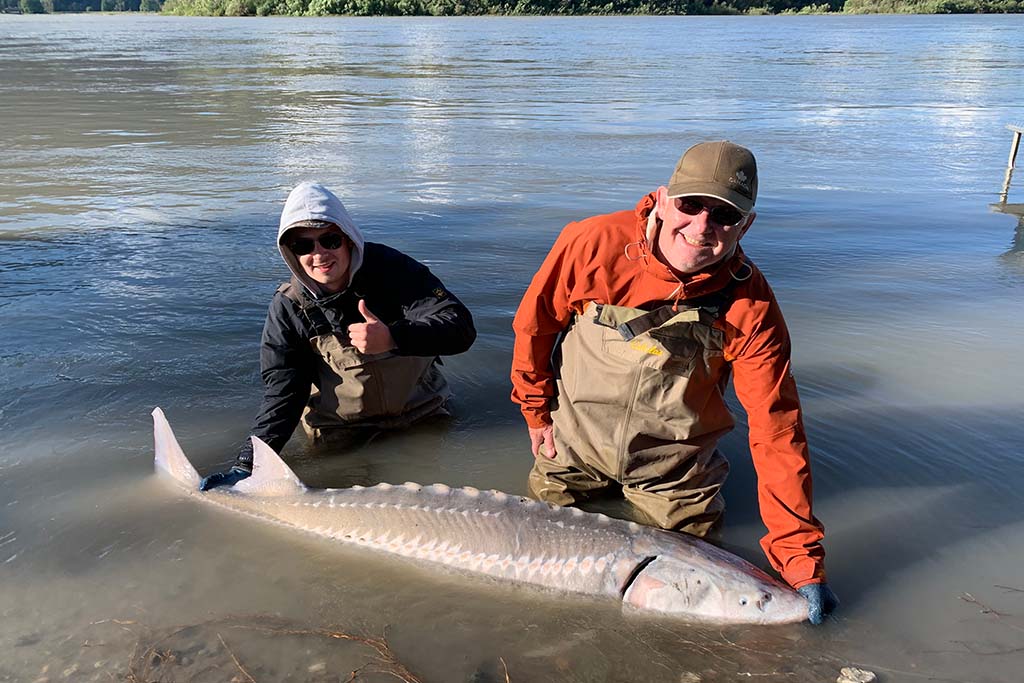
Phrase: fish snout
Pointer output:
(760, 600)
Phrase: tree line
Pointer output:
(510, 7)
(49, 6)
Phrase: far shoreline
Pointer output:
(755, 12)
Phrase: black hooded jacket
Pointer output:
(424, 318)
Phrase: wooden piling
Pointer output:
(1014, 146)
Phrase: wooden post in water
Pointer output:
(1017, 130)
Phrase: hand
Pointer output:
(820, 601)
(370, 337)
(543, 437)
(239, 471)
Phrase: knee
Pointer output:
(548, 489)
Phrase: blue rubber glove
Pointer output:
(820, 601)
(239, 471)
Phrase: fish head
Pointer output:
(714, 592)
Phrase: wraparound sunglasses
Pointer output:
(723, 215)
(300, 246)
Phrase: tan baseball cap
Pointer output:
(720, 169)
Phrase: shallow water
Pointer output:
(145, 160)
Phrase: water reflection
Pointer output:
(1015, 255)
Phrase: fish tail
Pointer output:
(170, 459)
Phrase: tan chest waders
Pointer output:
(640, 402)
(355, 390)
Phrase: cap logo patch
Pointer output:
(741, 179)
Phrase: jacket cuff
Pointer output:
(536, 417)
(400, 337)
(800, 584)
(805, 571)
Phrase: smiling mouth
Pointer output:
(697, 243)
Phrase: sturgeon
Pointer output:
(506, 537)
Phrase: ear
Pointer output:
(661, 197)
(654, 219)
(747, 222)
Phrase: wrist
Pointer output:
(537, 420)
(243, 460)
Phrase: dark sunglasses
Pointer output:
(300, 246)
(721, 214)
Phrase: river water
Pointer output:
(144, 163)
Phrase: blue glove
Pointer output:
(239, 471)
(820, 601)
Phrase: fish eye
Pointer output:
(743, 600)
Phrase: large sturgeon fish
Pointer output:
(506, 537)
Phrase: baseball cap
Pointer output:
(719, 169)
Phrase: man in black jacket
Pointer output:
(352, 339)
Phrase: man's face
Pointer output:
(327, 266)
(690, 239)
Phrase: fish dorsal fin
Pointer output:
(169, 458)
(270, 476)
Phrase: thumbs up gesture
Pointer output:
(372, 336)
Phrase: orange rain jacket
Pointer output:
(606, 259)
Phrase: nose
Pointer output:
(701, 220)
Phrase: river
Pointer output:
(145, 160)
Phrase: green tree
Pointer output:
(31, 7)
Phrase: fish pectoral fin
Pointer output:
(270, 475)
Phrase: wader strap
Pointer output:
(645, 322)
(308, 308)
(711, 305)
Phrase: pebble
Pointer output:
(849, 674)
(317, 668)
(689, 677)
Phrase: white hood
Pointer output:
(314, 202)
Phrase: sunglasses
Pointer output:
(721, 214)
(300, 246)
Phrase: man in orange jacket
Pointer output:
(625, 342)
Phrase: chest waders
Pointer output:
(353, 390)
(640, 402)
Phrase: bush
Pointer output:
(809, 9)
(239, 8)
(31, 7)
